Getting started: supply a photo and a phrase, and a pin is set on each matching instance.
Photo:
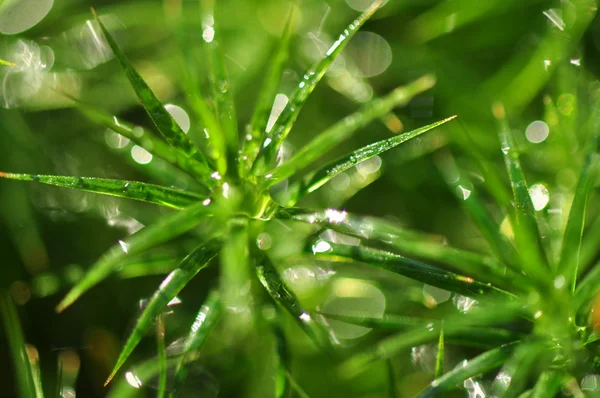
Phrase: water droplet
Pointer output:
(208, 34)
(124, 246)
(281, 100)
(216, 175)
(321, 247)
(140, 155)
(463, 192)
(539, 196)
(206, 202)
(264, 241)
(180, 115)
(115, 140)
(575, 61)
(537, 131)
(335, 216)
(133, 380)
(371, 54)
(463, 303)
(559, 281)
(537, 315)
(555, 16)
(369, 166)
(505, 149)
(17, 16)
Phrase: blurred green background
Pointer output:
(538, 57)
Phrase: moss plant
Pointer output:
(532, 318)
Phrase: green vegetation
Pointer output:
(438, 237)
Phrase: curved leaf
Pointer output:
(203, 324)
(273, 140)
(141, 191)
(548, 384)
(479, 365)
(315, 180)
(168, 289)
(439, 360)
(413, 269)
(162, 356)
(407, 242)
(345, 128)
(166, 229)
(163, 120)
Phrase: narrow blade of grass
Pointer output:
(204, 323)
(285, 297)
(386, 321)
(283, 386)
(222, 97)
(162, 356)
(468, 196)
(392, 385)
(408, 243)
(7, 63)
(317, 179)
(156, 194)
(513, 377)
(147, 140)
(346, 127)
(479, 365)
(548, 384)
(571, 246)
(266, 96)
(168, 289)
(165, 230)
(18, 350)
(163, 120)
(527, 235)
(439, 359)
(587, 289)
(273, 139)
(410, 268)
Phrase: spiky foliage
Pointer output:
(531, 306)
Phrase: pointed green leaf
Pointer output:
(479, 365)
(266, 96)
(468, 196)
(147, 140)
(548, 384)
(283, 386)
(222, 97)
(297, 388)
(527, 235)
(285, 297)
(274, 138)
(162, 356)
(386, 321)
(203, 324)
(144, 192)
(166, 229)
(410, 268)
(169, 288)
(439, 360)
(587, 289)
(571, 247)
(163, 120)
(513, 377)
(317, 179)
(407, 242)
(346, 127)
(25, 382)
